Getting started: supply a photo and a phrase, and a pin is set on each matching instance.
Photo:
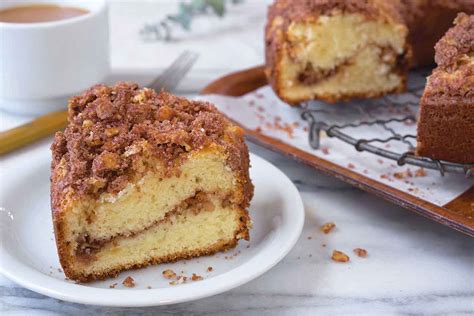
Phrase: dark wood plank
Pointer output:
(457, 214)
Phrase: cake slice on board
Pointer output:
(336, 50)
(446, 120)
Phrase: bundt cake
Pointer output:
(140, 178)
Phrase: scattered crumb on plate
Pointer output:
(360, 252)
(339, 256)
(326, 228)
(169, 274)
(196, 277)
(129, 282)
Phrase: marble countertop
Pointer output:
(414, 266)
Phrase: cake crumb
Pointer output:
(339, 256)
(112, 286)
(196, 277)
(328, 227)
(350, 165)
(210, 269)
(360, 252)
(129, 282)
(169, 274)
(148, 287)
(309, 237)
(325, 150)
(403, 175)
(420, 173)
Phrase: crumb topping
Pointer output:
(169, 274)
(458, 41)
(295, 10)
(360, 252)
(112, 130)
(328, 227)
(454, 75)
(339, 256)
(129, 282)
(196, 277)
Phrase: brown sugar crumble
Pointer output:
(196, 277)
(210, 269)
(169, 274)
(112, 286)
(360, 252)
(110, 126)
(325, 150)
(339, 256)
(328, 227)
(129, 282)
(402, 175)
(420, 173)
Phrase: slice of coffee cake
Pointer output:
(140, 178)
(446, 120)
(335, 50)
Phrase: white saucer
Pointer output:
(28, 251)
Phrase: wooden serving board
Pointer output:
(457, 214)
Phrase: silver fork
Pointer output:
(50, 123)
(173, 74)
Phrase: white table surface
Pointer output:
(414, 266)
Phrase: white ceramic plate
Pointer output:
(28, 251)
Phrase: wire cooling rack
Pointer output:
(385, 127)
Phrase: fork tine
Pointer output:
(172, 68)
(173, 81)
(174, 77)
(173, 74)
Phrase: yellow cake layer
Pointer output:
(184, 235)
(349, 41)
(367, 75)
(145, 202)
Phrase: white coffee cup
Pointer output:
(43, 64)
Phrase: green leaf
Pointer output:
(218, 6)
